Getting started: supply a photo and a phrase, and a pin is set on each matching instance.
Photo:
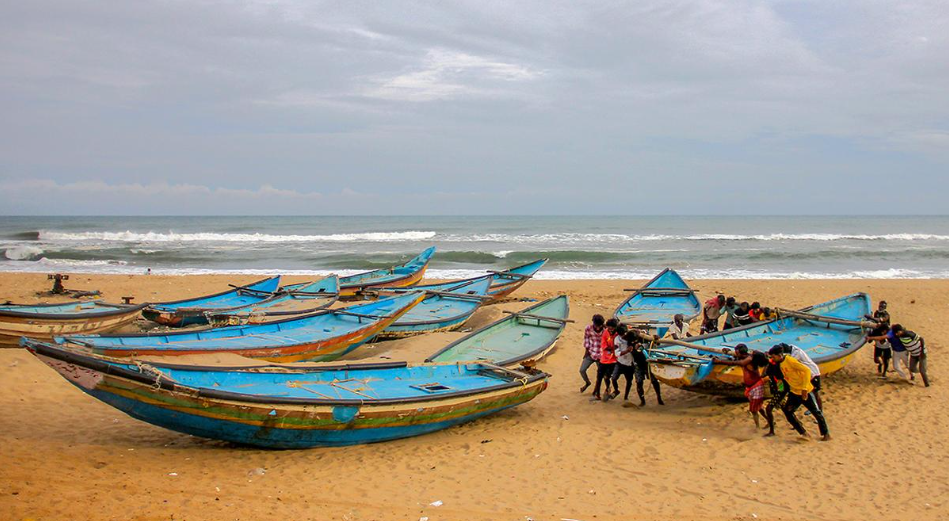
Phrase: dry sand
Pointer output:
(64, 455)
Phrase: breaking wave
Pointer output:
(140, 237)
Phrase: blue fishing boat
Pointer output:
(48, 320)
(830, 333)
(442, 310)
(187, 312)
(284, 407)
(403, 275)
(320, 336)
(503, 283)
(524, 337)
(291, 300)
(653, 306)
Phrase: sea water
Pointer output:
(578, 247)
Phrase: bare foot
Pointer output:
(768, 435)
(585, 387)
(825, 437)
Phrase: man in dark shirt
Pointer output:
(642, 368)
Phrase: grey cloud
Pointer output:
(422, 101)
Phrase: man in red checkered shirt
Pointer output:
(592, 350)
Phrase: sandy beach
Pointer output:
(67, 456)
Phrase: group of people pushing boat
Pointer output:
(616, 351)
(894, 342)
(792, 378)
(736, 313)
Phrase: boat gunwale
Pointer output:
(98, 364)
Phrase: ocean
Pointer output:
(588, 247)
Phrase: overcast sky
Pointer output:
(304, 107)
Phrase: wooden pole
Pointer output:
(820, 318)
(449, 294)
(509, 274)
(670, 291)
(528, 315)
(690, 345)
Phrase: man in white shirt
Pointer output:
(679, 328)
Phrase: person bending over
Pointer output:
(731, 307)
(711, 312)
(779, 393)
(916, 347)
(751, 375)
(798, 354)
(798, 378)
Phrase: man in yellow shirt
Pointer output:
(798, 379)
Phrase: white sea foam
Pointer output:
(574, 238)
(22, 252)
(121, 267)
(146, 237)
(44, 262)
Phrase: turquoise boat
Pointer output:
(291, 300)
(280, 407)
(653, 306)
(443, 310)
(187, 312)
(521, 338)
(503, 283)
(407, 274)
(830, 333)
(321, 336)
(48, 320)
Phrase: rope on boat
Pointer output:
(150, 370)
(518, 375)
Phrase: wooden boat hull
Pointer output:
(654, 314)
(176, 319)
(356, 291)
(408, 274)
(442, 311)
(393, 332)
(292, 300)
(723, 380)
(513, 340)
(503, 283)
(45, 328)
(192, 312)
(831, 349)
(281, 349)
(277, 424)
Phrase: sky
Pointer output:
(336, 108)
